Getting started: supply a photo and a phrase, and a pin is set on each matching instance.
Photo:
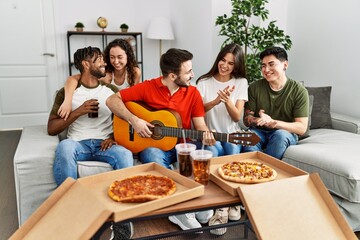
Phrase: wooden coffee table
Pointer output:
(214, 197)
(155, 225)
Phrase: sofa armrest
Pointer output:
(33, 169)
(345, 123)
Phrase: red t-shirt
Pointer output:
(186, 101)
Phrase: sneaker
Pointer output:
(185, 221)
(220, 217)
(122, 231)
(204, 216)
(234, 213)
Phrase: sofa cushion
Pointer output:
(345, 123)
(334, 155)
(88, 168)
(311, 104)
(306, 134)
(320, 115)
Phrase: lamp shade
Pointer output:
(160, 28)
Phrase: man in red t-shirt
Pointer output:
(172, 91)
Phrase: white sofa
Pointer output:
(33, 169)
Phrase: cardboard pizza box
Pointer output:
(186, 189)
(71, 212)
(284, 170)
(294, 208)
(78, 208)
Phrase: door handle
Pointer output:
(49, 54)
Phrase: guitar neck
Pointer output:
(189, 133)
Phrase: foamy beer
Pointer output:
(201, 165)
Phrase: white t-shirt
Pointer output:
(125, 83)
(91, 128)
(218, 117)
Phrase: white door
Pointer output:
(28, 62)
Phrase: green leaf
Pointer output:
(254, 39)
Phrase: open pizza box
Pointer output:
(283, 169)
(78, 208)
(294, 208)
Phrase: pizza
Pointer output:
(247, 171)
(141, 188)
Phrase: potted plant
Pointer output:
(79, 26)
(238, 28)
(124, 27)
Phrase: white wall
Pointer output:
(196, 31)
(137, 14)
(219, 8)
(193, 24)
(278, 11)
(326, 37)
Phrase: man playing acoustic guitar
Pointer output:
(174, 92)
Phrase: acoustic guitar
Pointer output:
(166, 131)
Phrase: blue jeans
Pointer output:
(68, 152)
(272, 142)
(163, 158)
(223, 148)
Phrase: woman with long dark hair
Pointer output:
(121, 70)
(224, 93)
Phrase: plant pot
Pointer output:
(124, 29)
(79, 29)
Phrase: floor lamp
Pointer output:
(160, 29)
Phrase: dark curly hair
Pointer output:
(239, 64)
(86, 53)
(131, 61)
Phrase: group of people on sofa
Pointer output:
(276, 108)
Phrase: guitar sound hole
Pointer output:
(157, 133)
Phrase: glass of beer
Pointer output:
(95, 108)
(201, 165)
(183, 151)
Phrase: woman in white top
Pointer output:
(224, 92)
(121, 70)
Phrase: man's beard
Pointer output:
(97, 73)
(181, 83)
